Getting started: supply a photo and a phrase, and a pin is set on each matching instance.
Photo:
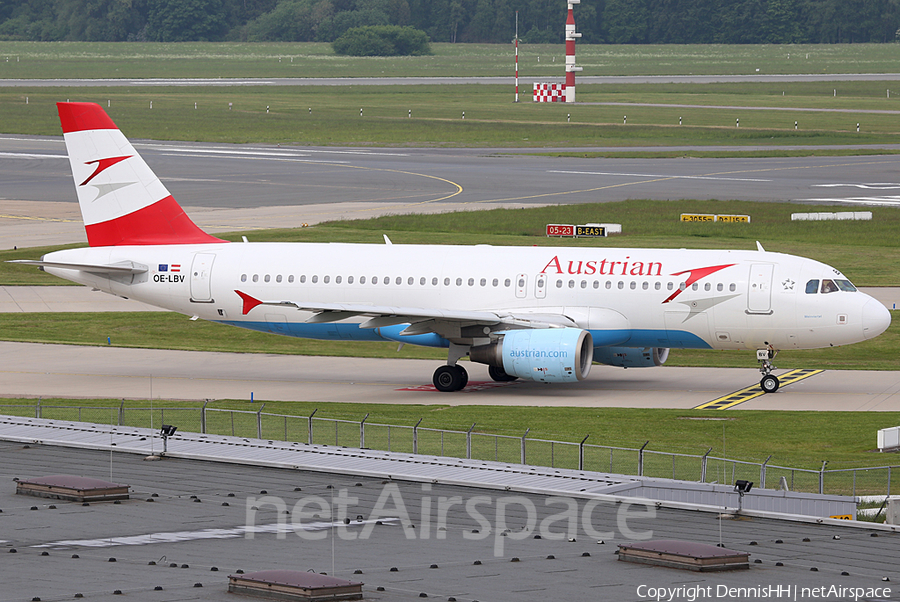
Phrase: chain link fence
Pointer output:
(470, 444)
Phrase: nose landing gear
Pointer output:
(769, 382)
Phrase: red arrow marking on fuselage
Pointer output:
(249, 302)
(695, 275)
(103, 164)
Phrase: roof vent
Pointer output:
(294, 585)
(76, 489)
(684, 555)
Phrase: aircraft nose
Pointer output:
(875, 318)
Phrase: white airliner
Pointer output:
(536, 313)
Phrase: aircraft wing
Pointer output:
(122, 267)
(421, 319)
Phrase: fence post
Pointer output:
(703, 462)
(641, 459)
(362, 432)
(203, 417)
(37, 409)
(122, 413)
(469, 442)
(310, 440)
(259, 421)
(762, 472)
(416, 436)
(522, 454)
(822, 478)
(889, 482)
(581, 453)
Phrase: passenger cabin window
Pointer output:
(303, 279)
(243, 277)
(314, 279)
(812, 287)
(291, 278)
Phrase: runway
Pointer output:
(34, 370)
(245, 187)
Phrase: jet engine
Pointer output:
(549, 355)
(631, 357)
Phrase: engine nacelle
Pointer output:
(631, 357)
(549, 355)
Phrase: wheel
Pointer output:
(499, 375)
(769, 383)
(450, 378)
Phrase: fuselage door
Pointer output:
(521, 286)
(759, 288)
(201, 270)
(540, 286)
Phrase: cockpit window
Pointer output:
(812, 287)
(846, 286)
(828, 286)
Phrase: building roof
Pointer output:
(189, 523)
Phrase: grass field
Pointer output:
(202, 59)
(318, 116)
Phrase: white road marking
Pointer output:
(32, 156)
(884, 186)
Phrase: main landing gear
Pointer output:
(452, 377)
(769, 382)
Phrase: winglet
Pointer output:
(759, 247)
(387, 240)
(249, 302)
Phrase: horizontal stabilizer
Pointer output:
(122, 267)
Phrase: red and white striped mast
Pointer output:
(570, 52)
(517, 56)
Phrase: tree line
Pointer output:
(491, 21)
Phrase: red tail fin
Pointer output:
(122, 201)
